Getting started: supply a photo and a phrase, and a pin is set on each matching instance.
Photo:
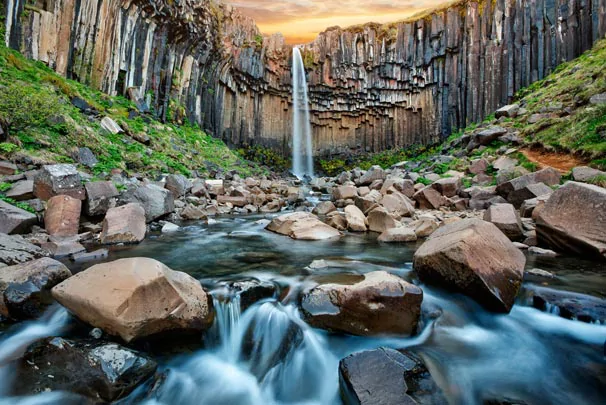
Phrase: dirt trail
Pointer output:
(559, 161)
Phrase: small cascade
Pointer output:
(14, 345)
(12, 9)
(302, 154)
(267, 355)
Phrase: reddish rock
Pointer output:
(429, 198)
(233, 200)
(62, 216)
(379, 220)
(356, 221)
(100, 197)
(125, 224)
(7, 168)
(506, 218)
(448, 186)
(15, 220)
(302, 225)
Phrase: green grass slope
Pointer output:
(46, 127)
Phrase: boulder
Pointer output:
(401, 234)
(215, 187)
(570, 305)
(25, 288)
(178, 184)
(506, 218)
(62, 179)
(95, 369)
(585, 174)
(376, 303)
(508, 111)
(379, 220)
(22, 190)
(111, 126)
(193, 213)
(235, 201)
(488, 135)
(62, 248)
(375, 377)
(398, 205)
(86, 157)
(15, 220)
(302, 225)
(573, 220)
(424, 226)
(337, 220)
(448, 186)
(324, 207)
(505, 163)
(478, 166)
(156, 201)
(15, 250)
(356, 221)
(429, 198)
(7, 168)
(62, 216)
(369, 202)
(344, 192)
(135, 298)
(372, 174)
(199, 189)
(473, 257)
(252, 291)
(124, 224)
(100, 197)
(528, 186)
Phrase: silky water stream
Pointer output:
(268, 355)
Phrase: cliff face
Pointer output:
(371, 88)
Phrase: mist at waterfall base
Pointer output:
(302, 154)
(267, 355)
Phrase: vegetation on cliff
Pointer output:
(38, 107)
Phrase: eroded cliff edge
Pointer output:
(372, 87)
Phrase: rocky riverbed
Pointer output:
(411, 284)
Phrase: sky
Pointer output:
(301, 20)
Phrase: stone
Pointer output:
(193, 213)
(372, 174)
(429, 198)
(82, 257)
(488, 135)
(380, 220)
(252, 291)
(100, 197)
(424, 226)
(478, 166)
(178, 184)
(62, 179)
(573, 220)
(528, 206)
(15, 220)
(586, 174)
(86, 157)
(368, 202)
(7, 168)
(401, 234)
(508, 111)
(324, 208)
(136, 298)
(156, 201)
(302, 225)
(528, 186)
(111, 126)
(337, 220)
(598, 99)
(570, 305)
(375, 377)
(125, 224)
(356, 221)
(448, 186)
(541, 252)
(95, 369)
(506, 218)
(169, 227)
(233, 200)
(505, 163)
(25, 288)
(475, 258)
(199, 189)
(22, 190)
(344, 192)
(398, 205)
(62, 216)
(59, 249)
(15, 250)
(375, 303)
(215, 187)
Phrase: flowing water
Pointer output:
(267, 355)
(302, 154)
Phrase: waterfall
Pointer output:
(12, 8)
(302, 155)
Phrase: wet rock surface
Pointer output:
(302, 225)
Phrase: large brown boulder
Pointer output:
(429, 198)
(62, 216)
(125, 224)
(373, 304)
(573, 220)
(356, 221)
(344, 192)
(522, 188)
(302, 225)
(379, 220)
(398, 205)
(100, 197)
(62, 179)
(474, 257)
(134, 298)
(25, 288)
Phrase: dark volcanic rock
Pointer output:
(15, 220)
(15, 250)
(252, 291)
(570, 305)
(95, 369)
(54, 180)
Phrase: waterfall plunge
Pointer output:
(302, 157)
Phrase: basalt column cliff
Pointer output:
(371, 87)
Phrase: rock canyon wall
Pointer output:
(372, 87)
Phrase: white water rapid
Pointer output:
(302, 155)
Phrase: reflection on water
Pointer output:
(268, 355)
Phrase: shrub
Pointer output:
(7, 147)
(23, 106)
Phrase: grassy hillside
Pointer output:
(46, 127)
